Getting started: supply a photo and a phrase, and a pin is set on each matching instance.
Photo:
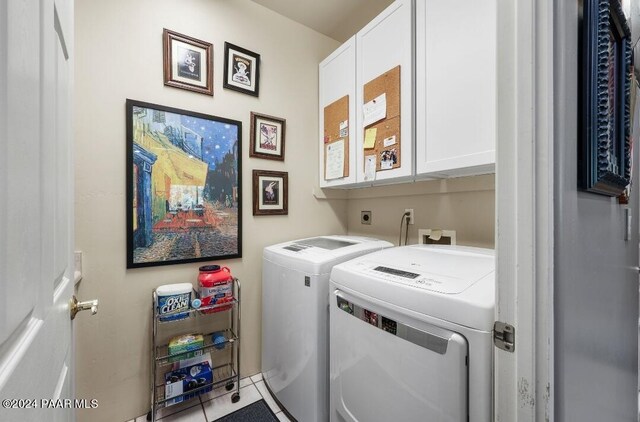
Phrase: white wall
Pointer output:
(119, 56)
(596, 274)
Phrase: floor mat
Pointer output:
(255, 412)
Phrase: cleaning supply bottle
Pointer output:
(216, 287)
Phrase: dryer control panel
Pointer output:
(399, 273)
(418, 278)
(423, 281)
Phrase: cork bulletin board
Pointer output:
(388, 83)
(336, 128)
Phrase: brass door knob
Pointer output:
(75, 306)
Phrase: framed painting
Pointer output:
(266, 137)
(188, 62)
(605, 72)
(270, 192)
(184, 187)
(241, 70)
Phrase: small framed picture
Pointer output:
(241, 70)
(188, 63)
(270, 192)
(266, 138)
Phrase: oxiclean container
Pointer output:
(173, 298)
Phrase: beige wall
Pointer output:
(119, 56)
(465, 204)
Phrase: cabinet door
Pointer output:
(337, 75)
(387, 42)
(455, 87)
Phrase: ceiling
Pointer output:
(338, 19)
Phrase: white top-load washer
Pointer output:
(295, 317)
(411, 335)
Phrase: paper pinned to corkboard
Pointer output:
(336, 129)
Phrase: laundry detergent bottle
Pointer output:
(216, 287)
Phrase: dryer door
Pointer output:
(387, 366)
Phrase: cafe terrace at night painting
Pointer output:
(183, 193)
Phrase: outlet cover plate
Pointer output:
(365, 217)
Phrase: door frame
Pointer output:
(523, 379)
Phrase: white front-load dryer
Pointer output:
(411, 335)
(295, 317)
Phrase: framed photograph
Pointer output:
(605, 71)
(184, 187)
(188, 63)
(266, 137)
(270, 192)
(241, 70)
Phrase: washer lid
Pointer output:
(317, 255)
(454, 283)
(328, 243)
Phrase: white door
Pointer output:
(36, 210)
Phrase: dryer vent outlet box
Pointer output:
(436, 237)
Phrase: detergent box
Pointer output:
(185, 347)
(198, 357)
(179, 383)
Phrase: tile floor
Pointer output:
(217, 403)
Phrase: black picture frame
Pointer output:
(184, 186)
(241, 70)
(605, 72)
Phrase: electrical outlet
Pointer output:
(410, 211)
(365, 217)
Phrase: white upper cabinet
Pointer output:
(337, 80)
(383, 45)
(455, 87)
(435, 63)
